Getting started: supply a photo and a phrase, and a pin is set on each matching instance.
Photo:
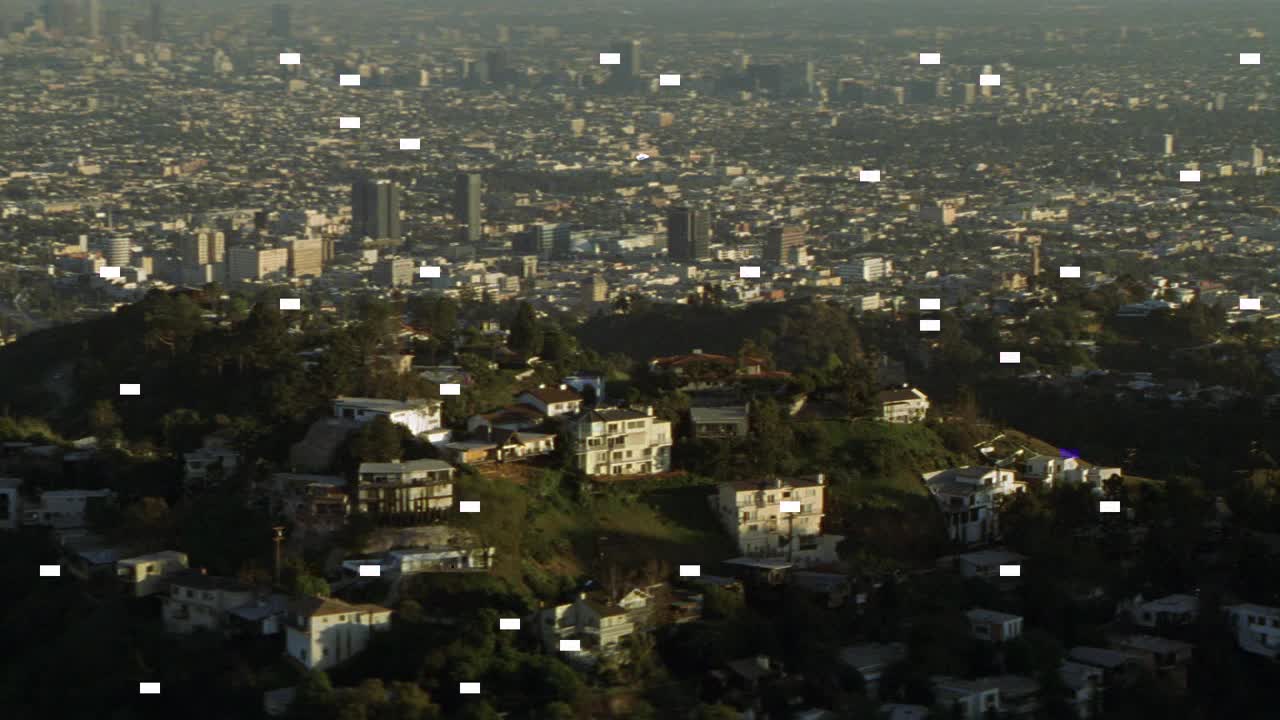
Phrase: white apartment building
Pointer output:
(753, 514)
(967, 497)
(869, 268)
(146, 574)
(323, 632)
(419, 416)
(620, 441)
(903, 405)
(1257, 628)
(199, 602)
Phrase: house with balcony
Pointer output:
(145, 575)
(599, 626)
(903, 405)
(315, 504)
(967, 699)
(620, 441)
(992, 626)
(777, 518)
(871, 660)
(1169, 611)
(324, 632)
(968, 498)
(196, 601)
(1256, 627)
(405, 492)
(552, 402)
(498, 445)
(729, 422)
(420, 416)
(209, 464)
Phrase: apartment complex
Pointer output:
(620, 441)
(777, 518)
(252, 263)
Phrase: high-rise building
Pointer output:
(466, 204)
(1165, 144)
(119, 252)
(393, 272)
(595, 290)
(546, 241)
(1034, 241)
(253, 263)
(306, 257)
(203, 247)
(499, 65)
(630, 65)
(1250, 155)
(281, 25)
(155, 21)
(375, 209)
(93, 18)
(688, 234)
(55, 16)
(783, 243)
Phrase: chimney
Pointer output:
(777, 482)
(822, 479)
(563, 386)
(582, 596)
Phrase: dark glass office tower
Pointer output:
(467, 188)
(375, 209)
(688, 234)
(155, 22)
(281, 22)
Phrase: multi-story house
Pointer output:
(967, 497)
(197, 601)
(719, 422)
(967, 699)
(146, 574)
(994, 627)
(421, 417)
(10, 503)
(601, 626)
(619, 441)
(1257, 628)
(409, 491)
(323, 632)
(552, 402)
(777, 519)
(903, 405)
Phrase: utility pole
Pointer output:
(278, 540)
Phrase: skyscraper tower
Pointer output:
(1034, 241)
(119, 252)
(782, 244)
(375, 209)
(93, 18)
(281, 25)
(467, 188)
(155, 21)
(630, 66)
(688, 234)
